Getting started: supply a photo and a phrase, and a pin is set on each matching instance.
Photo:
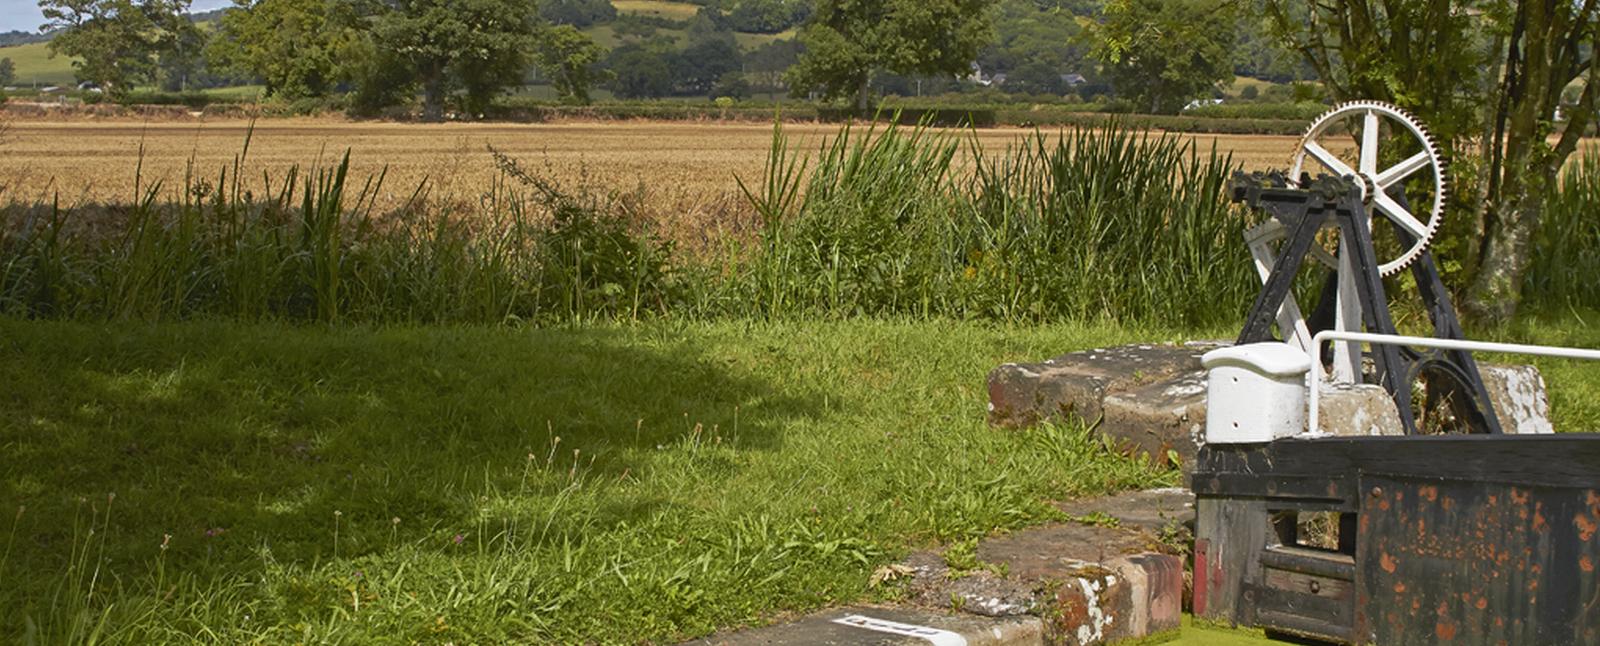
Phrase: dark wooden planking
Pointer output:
(1564, 460)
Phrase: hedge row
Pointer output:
(985, 117)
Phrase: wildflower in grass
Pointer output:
(166, 539)
(458, 539)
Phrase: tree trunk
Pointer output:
(1497, 290)
(864, 95)
(433, 97)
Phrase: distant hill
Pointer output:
(9, 38)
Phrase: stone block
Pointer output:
(1168, 415)
(1105, 577)
(1358, 410)
(1519, 398)
(1072, 386)
(1517, 393)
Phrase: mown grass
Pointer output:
(228, 482)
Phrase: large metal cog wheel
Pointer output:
(1375, 182)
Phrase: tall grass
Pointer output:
(1091, 224)
(310, 247)
(1566, 255)
(1096, 224)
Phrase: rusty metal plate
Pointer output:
(1447, 561)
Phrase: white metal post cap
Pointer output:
(1270, 359)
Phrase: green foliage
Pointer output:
(1303, 111)
(1039, 34)
(767, 16)
(1422, 55)
(116, 42)
(1161, 54)
(314, 250)
(578, 13)
(295, 47)
(8, 71)
(731, 85)
(588, 483)
(641, 71)
(884, 226)
(846, 42)
(570, 59)
(766, 64)
(705, 62)
(1566, 254)
(479, 46)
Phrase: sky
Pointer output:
(23, 15)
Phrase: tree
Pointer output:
(570, 59)
(8, 71)
(641, 71)
(1161, 54)
(293, 46)
(769, 62)
(706, 60)
(768, 16)
(1036, 77)
(1418, 54)
(1489, 72)
(846, 41)
(1031, 31)
(732, 85)
(578, 13)
(1548, 46)
(116, 41)
(480, 46)
(181, 65)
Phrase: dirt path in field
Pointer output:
(680, 161)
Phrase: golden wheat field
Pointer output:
(675, 162)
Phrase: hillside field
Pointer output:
(35, 66)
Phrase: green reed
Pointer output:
(1105, 224)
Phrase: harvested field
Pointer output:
(677, 163)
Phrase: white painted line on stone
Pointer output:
(933, 635)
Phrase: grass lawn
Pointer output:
(228, 483)
(35, 66)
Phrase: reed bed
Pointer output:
(1566, 257)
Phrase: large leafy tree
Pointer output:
(297, 48)
(116, 42)
(1161, 54)
(708, 57)
(1489, 76)
(480, 46)
(578, 13)
(571, 60)
(1042, 33)
(847, 41)
(642, 70)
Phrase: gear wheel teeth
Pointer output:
(1436, 162)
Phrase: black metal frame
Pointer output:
(1305, 212)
